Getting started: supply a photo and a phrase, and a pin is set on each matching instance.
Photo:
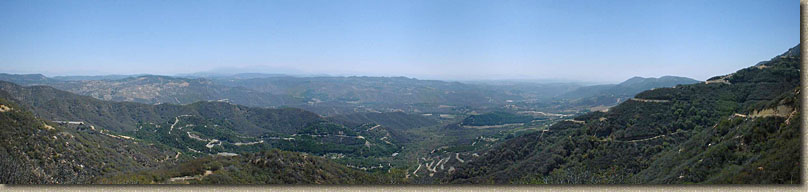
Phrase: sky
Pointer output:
(576, 40)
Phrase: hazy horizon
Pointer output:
(213, 75)
(586, 41)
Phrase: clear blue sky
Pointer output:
(605, 41)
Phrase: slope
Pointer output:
(205, 128)
(730, 129)
(152, 89)
(54, 104)
(36, 151)
(267, 167)
(609, 95)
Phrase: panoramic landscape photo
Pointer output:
(400, 92)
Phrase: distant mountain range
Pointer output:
(342, 95)
(151, 89)
(95, 77)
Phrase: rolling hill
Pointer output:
(98, 141)
(266, 167)
(207, 127)
(37, 151)
(610, 95)
(736, 128)
(152, 89)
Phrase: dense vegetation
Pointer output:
(744, 130)
(266, 167)
(609, 95)
(393, 120)
(36, 151)
(203, 128)
(54, 104)
(495, 118)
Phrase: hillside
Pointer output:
(736, 128)
(394, 125)
(152, 89)
(205, 128)
(55, 104)
(609, 95)
(393, 120)
(366, 89)
(36, 151)
(267, 167)
(495, 118)
(27, 79)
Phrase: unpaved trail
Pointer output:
(226, 154)
(655, 137)
(650, 100)
(104, 132)
(183, 178)
(416, 170)
(492, 126)
(374, 127)
(542, 132)
(738, 115)
(212, 143)
(723, 80)
(195, 177)
(176, 120)
(637, 140)
(457, 156)
(575, 121)
(192, 136)
(248, 143)
(646, 139)
(346, 136)
(4, 108)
